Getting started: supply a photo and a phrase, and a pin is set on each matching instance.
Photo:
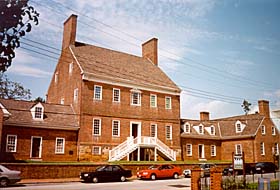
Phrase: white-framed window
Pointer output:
(115, 128)
(38, 113)
(153, 130)
(76, 91)
(212, 130)
(116, 95)
(262, 148)
(96, 128)
(168, 102)
(238, 127)
(187, 128)
(153, 100)
(135, 98)
(62, 101)
(59, 145)
(11, 145)
(97, 92)
(273, 129)
(96, 150)
(70, 68)
(201, 129)
(263, 129)
(168, 132)
(213, 150)
(238, 149)
(189, 149)
(56, 77)
(276, 149)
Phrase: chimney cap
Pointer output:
(153, 39)
(71, 16)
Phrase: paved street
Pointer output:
(168, 184)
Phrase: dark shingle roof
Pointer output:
(55, 116)
(121, 67)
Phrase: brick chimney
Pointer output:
(150, 50)
(204, 116)
(69, 31)
(264, 108)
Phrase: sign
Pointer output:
(238, 162)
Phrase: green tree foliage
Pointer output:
(12, 90)
(39, 99)
(16, 17)
(246, 106)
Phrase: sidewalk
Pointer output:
(57, 180)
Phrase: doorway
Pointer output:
(36, 147)
(135, 129)
(201, 151)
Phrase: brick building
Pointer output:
(254, 134)
(37, 131)
(128, 108)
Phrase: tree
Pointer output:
(16, 17)
(246, 106)
(12, 90)
(39, 99)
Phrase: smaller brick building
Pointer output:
(255, 134)
(37, 131)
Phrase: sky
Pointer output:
(219, 52)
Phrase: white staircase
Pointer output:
(131, 144)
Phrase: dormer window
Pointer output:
(37, 111)
(212, 130)
(187, 128)
(200, 129)
(239, 127)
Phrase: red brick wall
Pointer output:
(207, 148)
(24, 135)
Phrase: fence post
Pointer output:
(195, 179)
(216, 178)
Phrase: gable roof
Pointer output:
(115, 67)
(225, 127)
(55, 116)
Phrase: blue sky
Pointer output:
(219, 52)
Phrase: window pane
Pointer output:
(168, 102)
(38, 112)
(116, 95)
(59, 145)
(153, 130)
(97, 92)
(96, 126)
(116, 127)
(11, 143)
(168, 132)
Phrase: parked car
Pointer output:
(187, 172)
(249, 169)
(205, 168)
(106, 173)
(265, 167)
(8, 176)
(160, 171)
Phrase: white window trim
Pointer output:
(155, 129)
(242, 126)
(63, 146)
(94, 93)
(170, 135)
(170, 106)
(262, 148)
(185, 127)
(202, 129)
(273, 130)
(15, 149)
(119, 97)
(41, 144)
(190, 149)
(214, 150)
(151, 105)
(56, 77)
(118, 135)
(138, 98)
(76, 94)
(98, 127)
(99, 150)
(236, 149)
(71, 68)
(214, 131)
(263, 129)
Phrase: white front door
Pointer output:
(36, 147)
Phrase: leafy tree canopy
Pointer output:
(16, 17)
(12, 90)
(39, 99)
(246, 106)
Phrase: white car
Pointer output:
(187, 173)
(8, 176)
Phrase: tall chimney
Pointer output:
(204, 116)
(264, 108)
(150, 50)
(69, 31)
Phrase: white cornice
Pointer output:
(130, 84)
